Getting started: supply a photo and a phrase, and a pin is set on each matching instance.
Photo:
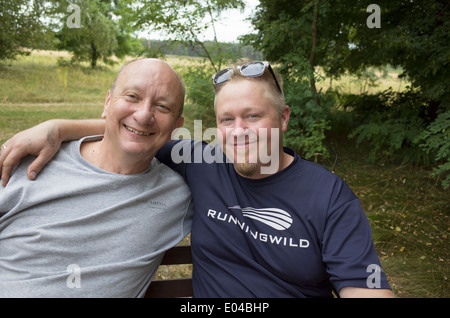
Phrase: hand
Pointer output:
(43, 141)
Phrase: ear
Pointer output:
(180, 122)
(107, 102)
(285, 118)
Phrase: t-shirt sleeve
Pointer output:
(178, 154)
(173, 154)
(347, 247)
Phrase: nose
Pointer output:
(241, 133)
(239, 128)
(237, 132)
(145, 114)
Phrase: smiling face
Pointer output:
(142, 110)
(250, 126)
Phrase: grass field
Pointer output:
(408, 209)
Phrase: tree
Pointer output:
(183, 21)
(20, 26)
(94, 36)
(289, 34)
(413, 34)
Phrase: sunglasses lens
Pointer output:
(222, 76)
(253, 69)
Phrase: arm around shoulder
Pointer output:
(43, 141)
(75, 129)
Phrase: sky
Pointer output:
(229, 28)
(233, 23)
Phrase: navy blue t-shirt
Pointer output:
(297, 233)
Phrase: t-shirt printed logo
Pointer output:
(273, 217)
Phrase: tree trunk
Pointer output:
(312, 54)
(94, 55)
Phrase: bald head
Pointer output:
(153, 66)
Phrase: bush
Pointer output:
(435, 141)
(309, 121)
(200, 94)
(390, 122)
(399, 126)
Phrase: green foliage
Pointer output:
(399, 126)
(286, 34)
(435, 140)
(180, 48)
(152, 52)
(309, 121)
(182, 21)
(200, 94)
(127, 45)
(390, 122)
(91, 30)
(20, 26)
(95, 38)
(414, 35)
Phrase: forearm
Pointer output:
(354, 292)
(43, 141)
(70, 129)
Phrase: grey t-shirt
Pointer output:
(79, 231)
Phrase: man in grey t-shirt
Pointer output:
(104, 210)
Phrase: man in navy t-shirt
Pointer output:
(267, 223)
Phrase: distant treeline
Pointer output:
(156, 47)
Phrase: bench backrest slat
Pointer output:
(169, 288)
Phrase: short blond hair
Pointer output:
(277, 97)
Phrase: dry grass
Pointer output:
(409, 214)
(370, 82)
(175, 271)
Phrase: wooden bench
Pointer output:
(170, 288)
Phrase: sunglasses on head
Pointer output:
(252, 69)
